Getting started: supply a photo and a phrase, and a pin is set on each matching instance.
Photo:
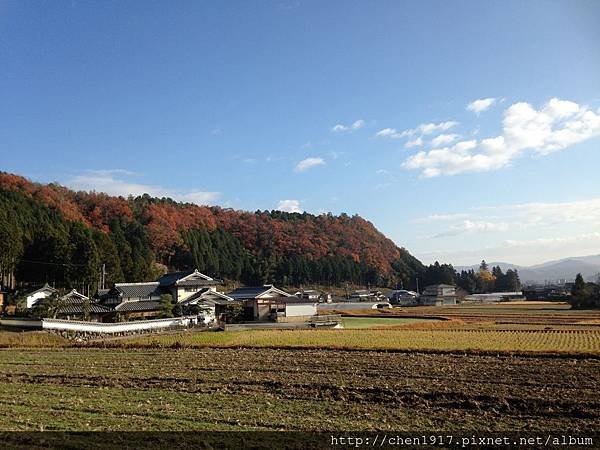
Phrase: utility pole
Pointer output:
(417, 285)
(103, 274)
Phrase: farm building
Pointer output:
(261, 302)
(367, 295)
(308, 294)
(142, 300)
(548, 292)
(43, 292)
(129, 292)
(494, 297)
(76, 306)
(211, 303)
(182, 285)
(291, 309)
(138, 310)
(311, 294)
(132, 300)
(438, 295)
(403, 297)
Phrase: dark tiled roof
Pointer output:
(78, 309)
(138, 290)
(215, 301)
(149, 305)
(72, 301)
(196, 295)
(248, 292)
(170, 278)
(45, 287)
(292, 299)
(199, 283)
(74, 298)
(255, 291)
(207, 295)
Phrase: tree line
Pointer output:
(74, 239)
(584, 295)
(39, 244)
(483, 280)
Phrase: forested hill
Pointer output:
(50, 233)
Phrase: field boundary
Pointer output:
(112, 345)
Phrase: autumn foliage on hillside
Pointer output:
(285, 246)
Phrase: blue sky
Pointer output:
(342, 106)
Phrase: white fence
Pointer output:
(120, 327)
(21, 323)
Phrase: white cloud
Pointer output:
(309, 163)
(417, 142)
(535, 232)
(112, 182)
(430, 128)
(544, 242)
(339, 128)
(480, 105)
(548, 214)
(538, 216)
(471, 227)
(523, 251)
(356, 125)
(197, 197)
(544, 213)
(440, 218)
(557, 125)
(418, 132)
(444, 139)
(292, 206)
(389, 133)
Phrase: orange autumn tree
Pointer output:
(253, 247)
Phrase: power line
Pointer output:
(52, 263)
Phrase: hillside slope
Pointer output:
(50, 233)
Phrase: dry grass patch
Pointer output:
(25, 339)
(544, 341)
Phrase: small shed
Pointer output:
(290, 309)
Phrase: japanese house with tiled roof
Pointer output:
(270, 303)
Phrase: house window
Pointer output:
(190, 289)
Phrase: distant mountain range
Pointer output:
(561, 269)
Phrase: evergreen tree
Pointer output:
(166, 306)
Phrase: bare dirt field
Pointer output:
(551, 314)
(278, 389)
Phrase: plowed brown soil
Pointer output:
(241, 389)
